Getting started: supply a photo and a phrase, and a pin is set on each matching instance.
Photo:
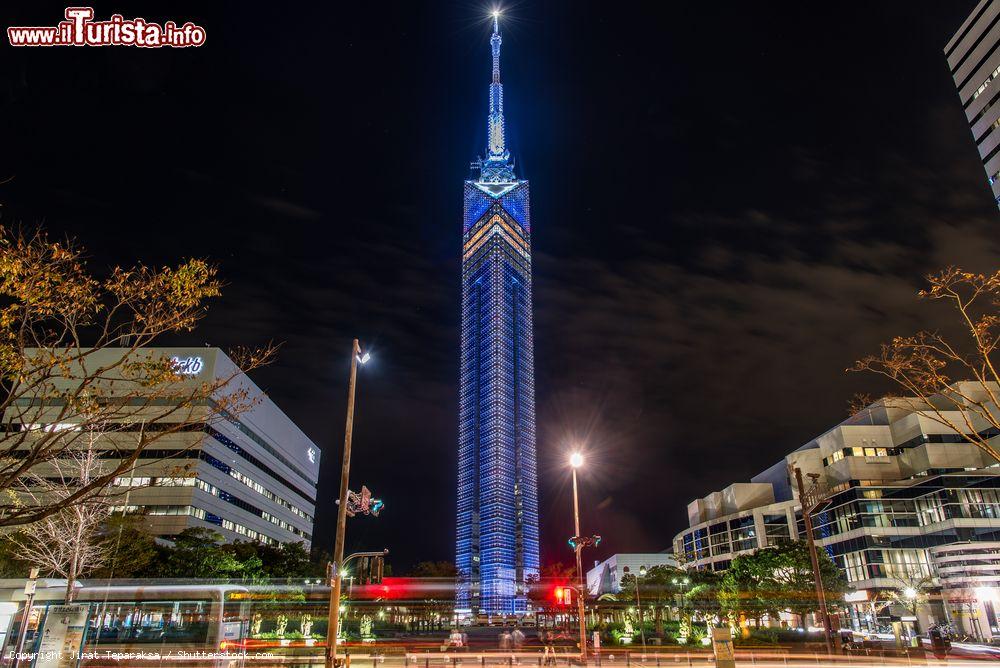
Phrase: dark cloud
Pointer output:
(729, 208)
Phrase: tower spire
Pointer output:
(496, 167)
(495, 41)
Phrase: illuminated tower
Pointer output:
(497, 533)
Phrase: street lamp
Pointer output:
(575, 462)
(984, 595)
(335, 576)
(344, 575)
(682, 583)
(638, 604)
(810, 502)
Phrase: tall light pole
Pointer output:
(807, 508)
(575, 462)
(683, 582)
(638, 605)
(333, 570)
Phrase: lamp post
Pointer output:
(682, 583)
(333, 623)
(808, 504)
(575, 462)
(984, 596)
(638, 605)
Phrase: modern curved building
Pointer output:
(969, 575)
(908, 502)
(973, 55)
(497, 523)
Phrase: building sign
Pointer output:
(311, 454)
(61, 636)
(190, 366)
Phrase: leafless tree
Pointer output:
(910, 590)
(951, 380)
(66, 542)
(75, 362)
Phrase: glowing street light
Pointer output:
(910, 593)
(334, 569)
(575, 462)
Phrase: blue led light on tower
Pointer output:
(497, 528)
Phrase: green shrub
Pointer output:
(778, 636)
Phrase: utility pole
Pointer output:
(579, 571)
(638, 605)
(333, 569)
(29, 591)
(807, 508)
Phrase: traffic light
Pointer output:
(584, 541)
(363, 502)
(564, 595)
(370, 570)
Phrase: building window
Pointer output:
(744, 533)
(776, 529)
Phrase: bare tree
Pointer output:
(911, 589)
(951, 380)
(75, 362)
(66, 542)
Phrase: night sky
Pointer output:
(731, 203)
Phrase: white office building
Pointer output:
(250, 476)
(606, 576)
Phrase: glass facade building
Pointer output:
(906, 500)
(973, 55)
(497, 519)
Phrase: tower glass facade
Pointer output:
(497, 527)
(973, 55)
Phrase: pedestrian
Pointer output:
(505, 640)
(517, 637)
(551, 647)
